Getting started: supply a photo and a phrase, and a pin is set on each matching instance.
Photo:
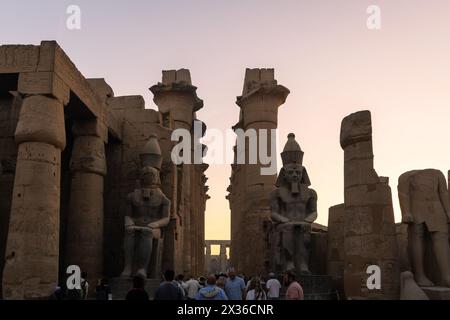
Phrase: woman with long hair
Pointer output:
(256, 291)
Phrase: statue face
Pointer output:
(293, 173)
(149, 177)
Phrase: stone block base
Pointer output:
(317, 287)
(437, 293)
(121, 286)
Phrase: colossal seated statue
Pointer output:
(294, 209)
(148, 211)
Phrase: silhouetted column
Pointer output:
(84, 238)
(32, 253)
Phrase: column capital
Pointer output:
(41, 119)
(261, 97)
(177, 96)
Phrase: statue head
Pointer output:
(151, 153)
(293, 174)
(149, 177)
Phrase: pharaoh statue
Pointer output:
(424, 202)
(148, 211)
(294, 209)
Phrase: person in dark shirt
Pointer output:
(103, 290)
(169, 290)
(138, 292)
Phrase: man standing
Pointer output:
(294, 290)
(273, 287)
(192, 286)
(235, 286)
(138, 292)
(168, 290)
(211, 291)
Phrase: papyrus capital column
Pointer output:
(32, 254)
(84, 237)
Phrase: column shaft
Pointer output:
(84, 239)
(32, 254)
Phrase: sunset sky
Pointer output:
(321, 50)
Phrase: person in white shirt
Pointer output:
(192, 286)
(273, 286)
(257, 291)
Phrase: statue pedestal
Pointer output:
(317, 287)
(437, 293)
(121, 286)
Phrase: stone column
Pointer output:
(259, 103)
(369, 236)
(84, 233)
(223, 257)
(177, 100)
(9, 115)
(32, 253)
(207, 257)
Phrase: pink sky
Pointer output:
(321, 50)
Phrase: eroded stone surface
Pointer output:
(369, 227)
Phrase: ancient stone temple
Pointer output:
(249, 190)
(69, 154)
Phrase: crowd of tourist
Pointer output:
(223, 286)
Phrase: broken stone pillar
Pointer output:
(259, 103)
(335, 256)
(369, 225)
(84, 230)
(32, 253)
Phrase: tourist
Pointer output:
(168, 289)
(202, 281)
(257, 291)
(211, 291)
(84, 285)
(294, 289)
(58, 294)
(235, 286)
(103, 290)
(221, 281)
(192, 286)
(179, 281)
(138, 292)
(273, 287)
